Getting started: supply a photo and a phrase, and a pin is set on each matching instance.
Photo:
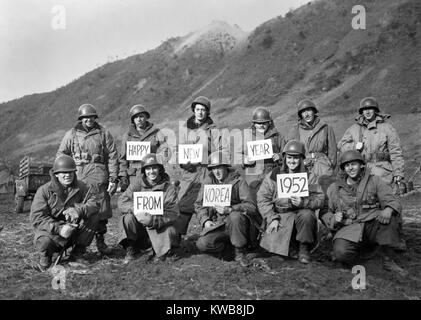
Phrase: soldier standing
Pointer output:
(141, 129)
(378, 142)
(319, 140)
(94, 151)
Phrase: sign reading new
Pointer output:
(190, 153)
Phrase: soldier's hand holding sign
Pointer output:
(296, 201)
(223, 210)
(273, 227)
(144, 218)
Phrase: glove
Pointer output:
(124, 183)
(72, 215)
(66, 231)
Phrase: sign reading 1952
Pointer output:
(292, 184)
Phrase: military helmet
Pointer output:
(219, 158)
(261, 115)
(306, 104)
(203, 101)
(138, 108)
(294, 147)
(350, 155)
(150, 160)
(64, 163)
(368, 102)
(87, 110)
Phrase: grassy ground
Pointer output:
(198, 276)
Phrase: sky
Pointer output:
(46, 44)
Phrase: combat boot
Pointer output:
(390, 265)
(101, 245)
(241, 258)
(77, 255)
(44, 261)
(304, 253)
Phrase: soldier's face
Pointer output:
(369, 113)
(152, 172)
(292, 161)
(89, 121)
(65, 178)
(220, 173)
(140, 120)
(200, 112)
(353, 169)
(308, 115)
(261, 127)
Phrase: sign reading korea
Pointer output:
(136, 150)
(260, 149)
(148, 201)
(190, 153)
(217, 195)
(292, 184)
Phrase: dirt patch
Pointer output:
(199, 276)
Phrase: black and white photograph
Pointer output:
(218, 151)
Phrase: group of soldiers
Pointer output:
(352, 189)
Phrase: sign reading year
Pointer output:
(217, 195)
(136, 150)
(259, 150)
(292, 184)
(151, 202)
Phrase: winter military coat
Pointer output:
(152, 134)
(49, 203)
(273, 208)
(96, 158)
(193, 175)
(320, 144)
(171, 212)
(381, 146)
(241, 200)
(358, 205)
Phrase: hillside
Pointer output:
(311, 52)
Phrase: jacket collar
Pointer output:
(232, 177)
(284, 169)
(57, 188)
(79, 126)
(316, 124)
(150, 128)
(361, 184)
(380, 118)
(160, 186)
(192, 125)
(268, 134)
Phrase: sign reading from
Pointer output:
(260, 149)
(136, 150)
(217, 195)
(190, 153)
(151, 202)
(292, 184)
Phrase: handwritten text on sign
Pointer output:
(148, 201)
(190, 153)
(260, 149)
(292, 184)
(217, 195)
(136, 150)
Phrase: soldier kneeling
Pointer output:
(363, 211)
(64, 213)
(225, 225)
(290, 222)
(140, 231)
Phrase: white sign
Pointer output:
(151, 202)
(190, 153)
(136, 150)
(217, 195)
(259, 150)
(292, 184)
